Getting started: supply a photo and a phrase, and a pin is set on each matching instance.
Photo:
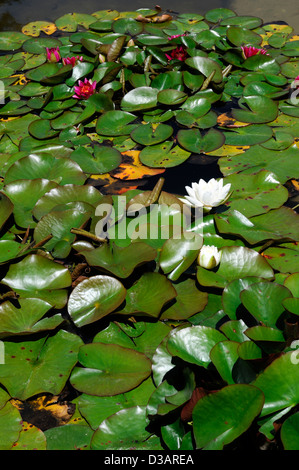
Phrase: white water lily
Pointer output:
(207, 194)
(209, 257)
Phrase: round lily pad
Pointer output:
(150, 134)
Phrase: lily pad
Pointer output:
(246, 402)
(109, 369)
(36, 362)
(139, 98)
(264, 301)
(149, 134)
(95, 298)
(27, 318)
(236, 263)
(261, 109)
(193, 344)
(193, 141)
(39, 277)
(120, 261)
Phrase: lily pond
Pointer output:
(149, 232)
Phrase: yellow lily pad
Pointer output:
(228, 150)
(34, 28)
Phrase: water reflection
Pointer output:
(14, 13)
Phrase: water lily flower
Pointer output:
(176, 36)
(249, 51)
(178, 53)
(297, 81)
(207, 194)
(53, 54)
(72, 60)
(209, 257)
(84, 89)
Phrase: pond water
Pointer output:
(15, 13)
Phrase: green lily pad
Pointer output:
(148, 295)
(37, 363)
(41, 129)
(139, 98)
(281, 163)
(218, 14)
(178, 254)
(248, 135)
(95, 298)
(290, 432)
(231, 294)
(103, 159)
(6, 206)
(9, 249)
(276, 224)
(149, 134)
(64, 195)
(109, 369)
(255, 194)
(193, 344)
(230, 412)
(240, 36)
(59, 224)
(120, 261)
(261, 109)
(61, 170)
(38, 45)
(206, 66)
(38, 277)
(122, 430)
(27, 318)
(236, 262)
(264, 301)
(193, 141)
(115, 123)
(11, 40)
(279, 384)
(69, 437)
(10, 425)
(263, 63)
(189, 301)
(224, 356)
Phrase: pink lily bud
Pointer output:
(249, 51)
(84, 89)
(53, 54)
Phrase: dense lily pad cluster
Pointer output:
(121, 342)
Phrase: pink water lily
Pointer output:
(72, 60)
(53, 54)
(178, 53)
(176, 36)
(249, 51)
(84, 89)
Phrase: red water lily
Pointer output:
(72, 60)
(84, 89)
(53, 54)
(249, 51)
(178, 53)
